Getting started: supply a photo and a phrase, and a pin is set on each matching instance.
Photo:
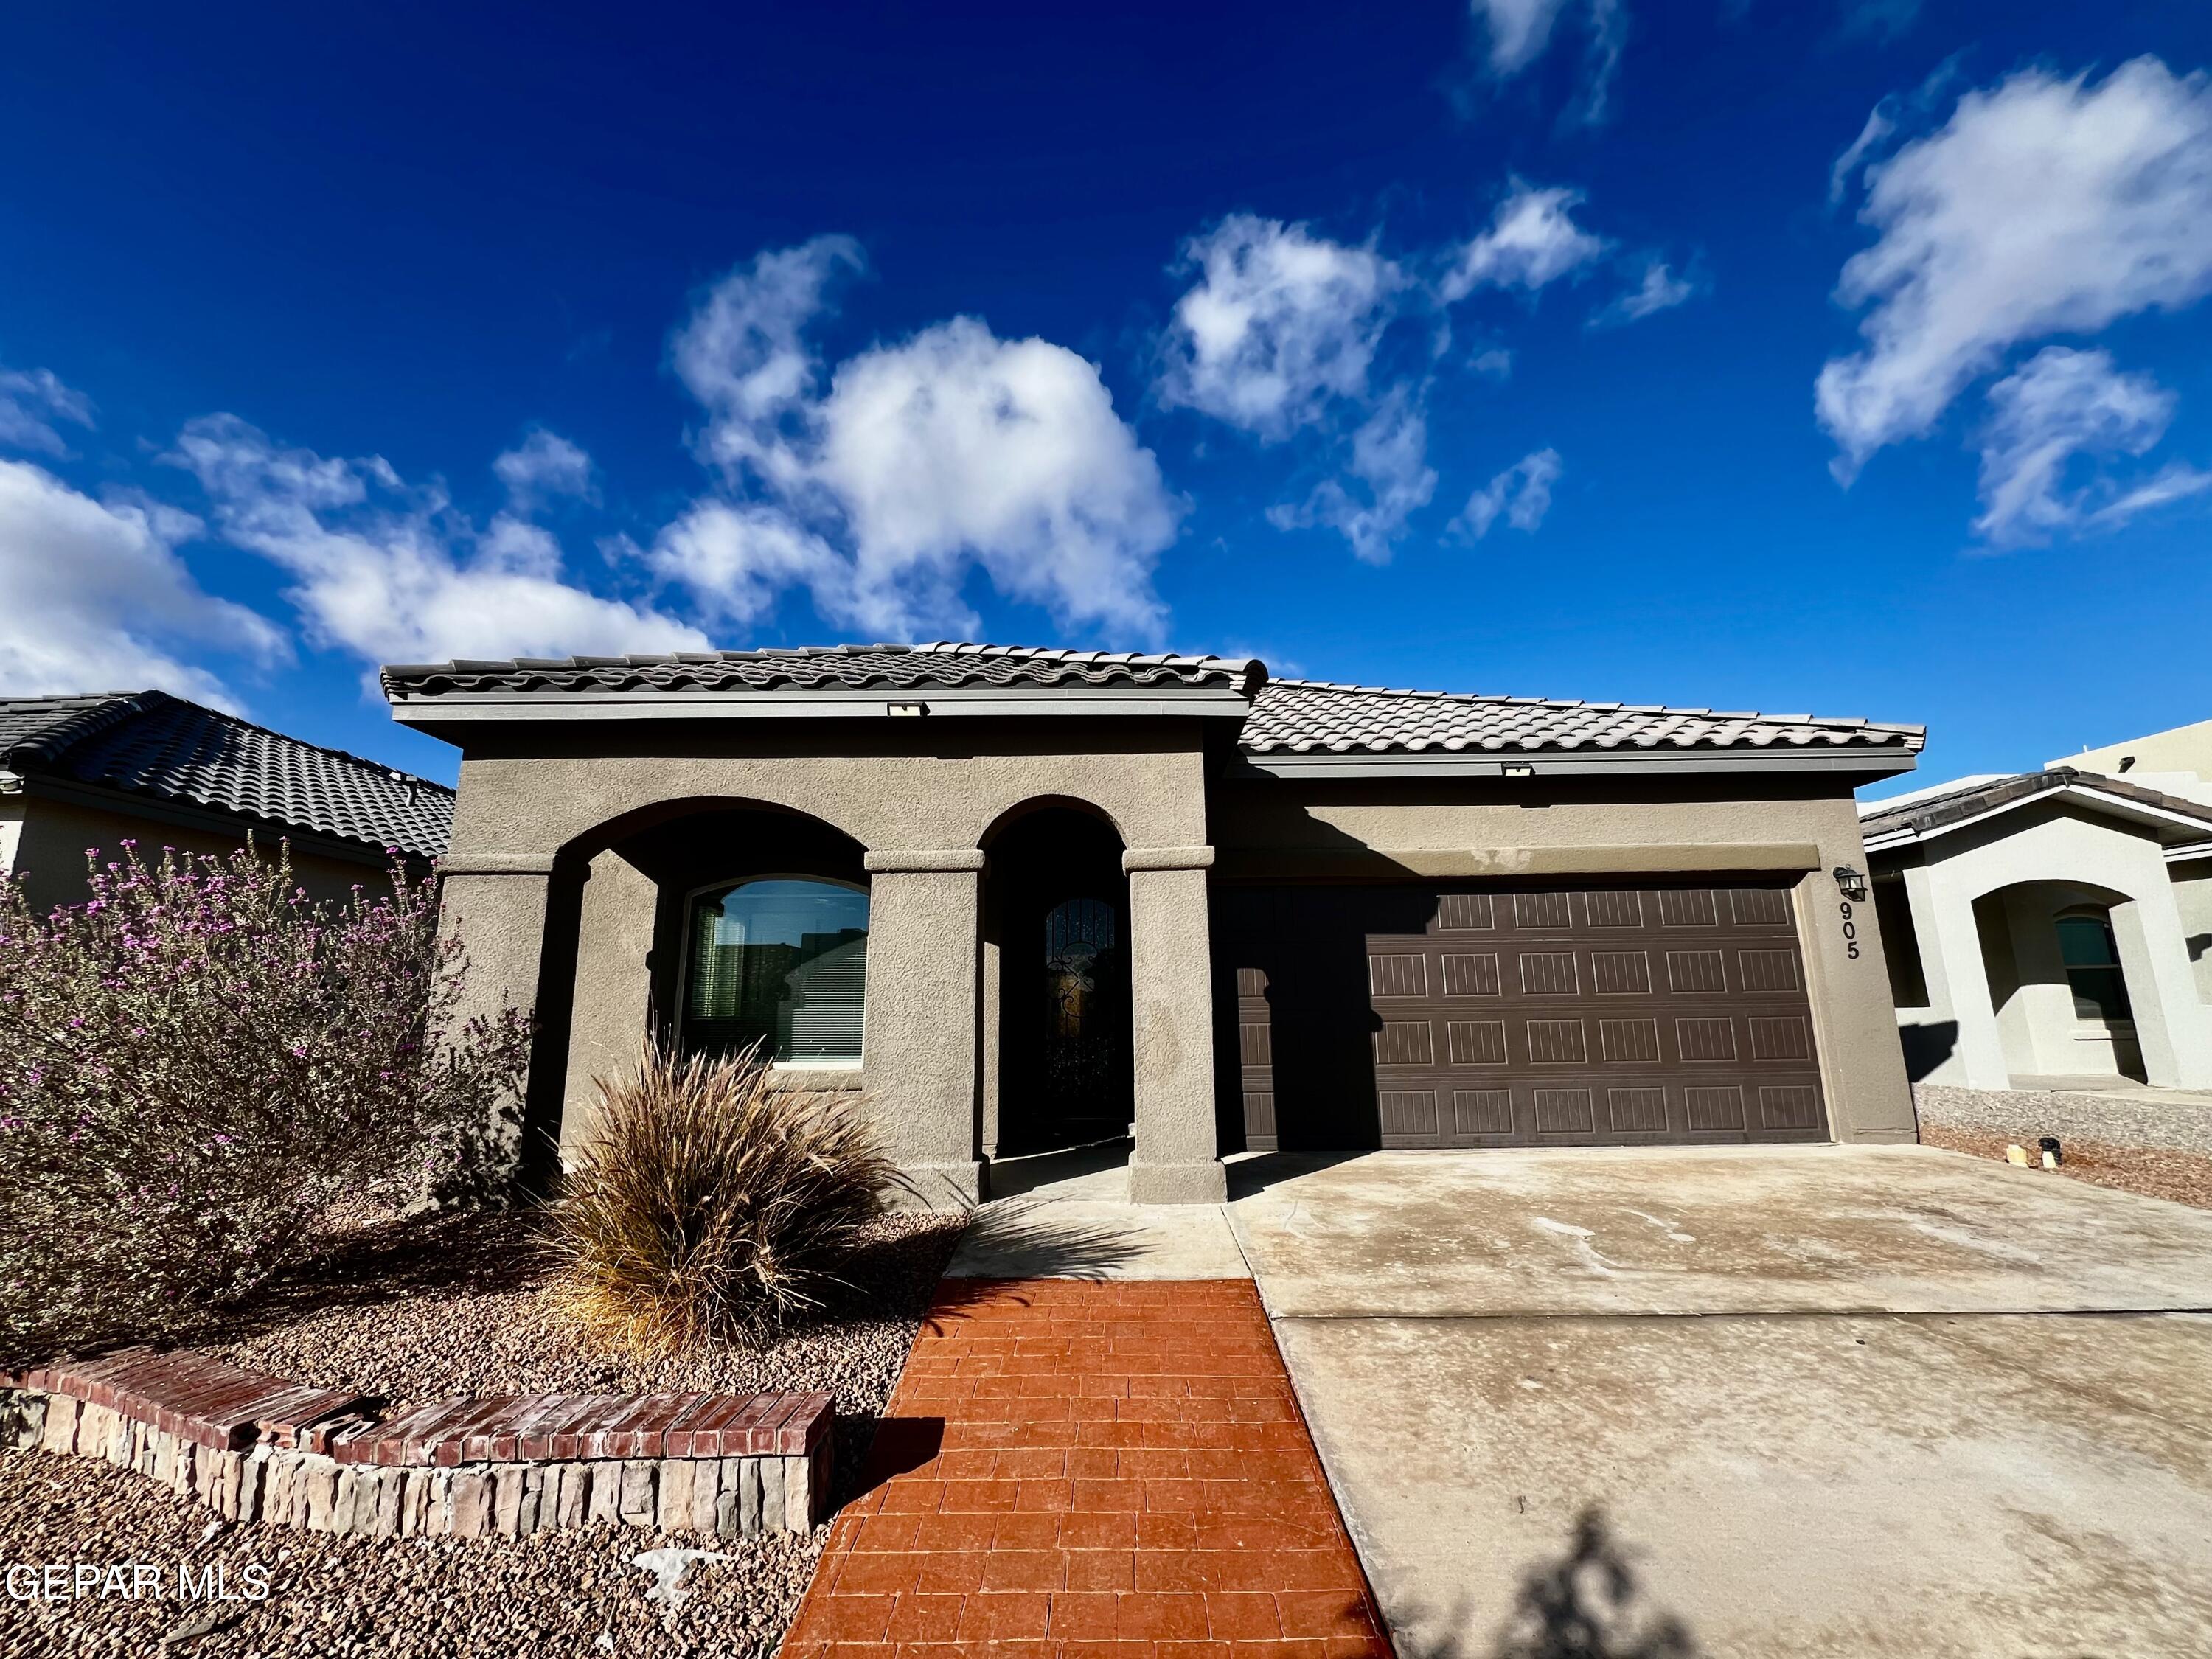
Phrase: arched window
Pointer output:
(780, 961)
(2093, 966)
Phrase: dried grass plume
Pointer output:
(707, 1204)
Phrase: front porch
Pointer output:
(992, 927)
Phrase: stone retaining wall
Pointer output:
(346, 1472)
(2023, 1114)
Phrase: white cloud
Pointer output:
(1880, 122)
(2044, 206)
(957, 443)
(744, 355)
(1519, 32)
(2064, 404)
(392, 573)
(738, 557)
(1659, 290)
(1390, 459)
(94, 598)
(31, 401)
(1521, 494)
(544, 467)
(1279, 322)
(1533, 240)
(1883, 121)
(949, 451)
(1280, 333)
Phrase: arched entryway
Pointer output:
(719, 925)
(2064, 1006)
(1056, 924)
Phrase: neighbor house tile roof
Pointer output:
(944, 665)
(1287, 716)
(150, 743)
(1317, 716)
(1927, 813)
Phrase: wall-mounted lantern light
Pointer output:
(1850, 884)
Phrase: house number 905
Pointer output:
(1850, 933)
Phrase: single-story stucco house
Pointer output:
(2053, 928)
(79, 773)
(1028, 898)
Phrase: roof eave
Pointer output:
(2169, 826)
(843, 702)
(198, 815)
(1867, 762)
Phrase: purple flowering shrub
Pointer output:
(199, 1067)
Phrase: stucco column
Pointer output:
(613, 999)
(1958, 983)
(2173, 1028)
(918, 1037)
(495, 904)
(1177, 1160)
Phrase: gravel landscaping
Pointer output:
(2186, 1177)
(2159, 1120)
(433, 1310)
(551, 1593)
(459, 1307)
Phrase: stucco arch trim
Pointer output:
(1013, 816)
(611, 832)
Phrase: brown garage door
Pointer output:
(1516, 1017)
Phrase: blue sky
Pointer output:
(1849, 356)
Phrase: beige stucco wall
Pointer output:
(1147, 779)
(1277, 829)
(608, 1017)
(50, 843)
(537, 801)
(2179, 748)
(922, 803)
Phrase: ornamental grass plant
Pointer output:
(708, 1204)
(199, 1065)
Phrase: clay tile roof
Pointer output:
(149, 742)
(1318, 716)
(1926, 813)
(1287, 716)
(943, 665)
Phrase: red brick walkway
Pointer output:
(1070, 1466)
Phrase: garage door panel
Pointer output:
(1625, 1015)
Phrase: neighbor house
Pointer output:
(2054, 929)
(88, 773)
(1026, 898)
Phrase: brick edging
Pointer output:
(254, 1448)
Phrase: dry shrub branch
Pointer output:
(199, 1063)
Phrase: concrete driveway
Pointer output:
(1846, 1400)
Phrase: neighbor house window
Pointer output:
(2093, 966)
(780, 961)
